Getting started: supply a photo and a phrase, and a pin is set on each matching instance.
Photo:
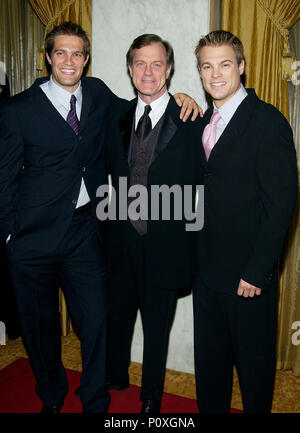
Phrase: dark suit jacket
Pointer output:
(42, 162)
(175, 161)
(250, 194)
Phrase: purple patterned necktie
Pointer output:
(72, 118)
(209, 133)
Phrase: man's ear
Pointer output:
(130, 70)
(169, 70)
(86, 60)
(242, 67)
(48, 59)
(199, 69)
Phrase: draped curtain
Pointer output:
(263, 26)
(21, 34)
(52, 13)
(215, 15)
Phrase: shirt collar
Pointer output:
(62, 95)
(157, 106)
(228, 109)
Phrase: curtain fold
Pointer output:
(52, 13)
(215, 15)
(262, 26)
(21, 34)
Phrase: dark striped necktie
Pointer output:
(144, 125)
(72, 118)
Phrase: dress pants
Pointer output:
(132, 289)
(78, 267)
(231, 330)
(8, 305)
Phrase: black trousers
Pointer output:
(8, 305)
(232, 330)
(132, 289)
(77, 267)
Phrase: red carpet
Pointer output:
(17, 394)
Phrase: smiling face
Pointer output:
(67, 61)
(149, 71)
(220, 72)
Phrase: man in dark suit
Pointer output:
(51, 166)
(250, 193)
(148, 260)
(51, 152)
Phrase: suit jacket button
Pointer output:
(83, 169)
(74, 201)
(79, 137)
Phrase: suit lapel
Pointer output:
(167, 130)
(39, 99)
(86, 104)
(206, 119)
(126, 125)
(235, 127)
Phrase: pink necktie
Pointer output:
(209, 133)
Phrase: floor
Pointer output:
(287, 386)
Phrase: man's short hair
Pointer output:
(71, 29)
(144, 41)
(218, 38)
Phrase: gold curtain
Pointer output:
(21, 34)
(288, 353)
(215, 15)
(263, 26)
(54, 12)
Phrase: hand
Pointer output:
(187, 105)
(246, 289)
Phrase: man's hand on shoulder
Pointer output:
(247, 290)
(188, 105)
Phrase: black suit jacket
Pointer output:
(250, 194)
(42, 162)
(175, 161)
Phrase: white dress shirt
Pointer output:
(60, 98)
(158, 107)
(228, 109)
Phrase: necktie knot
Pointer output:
(147, 109)
(215, 118)
(72, 118)
(73, 101)
(209, 133)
